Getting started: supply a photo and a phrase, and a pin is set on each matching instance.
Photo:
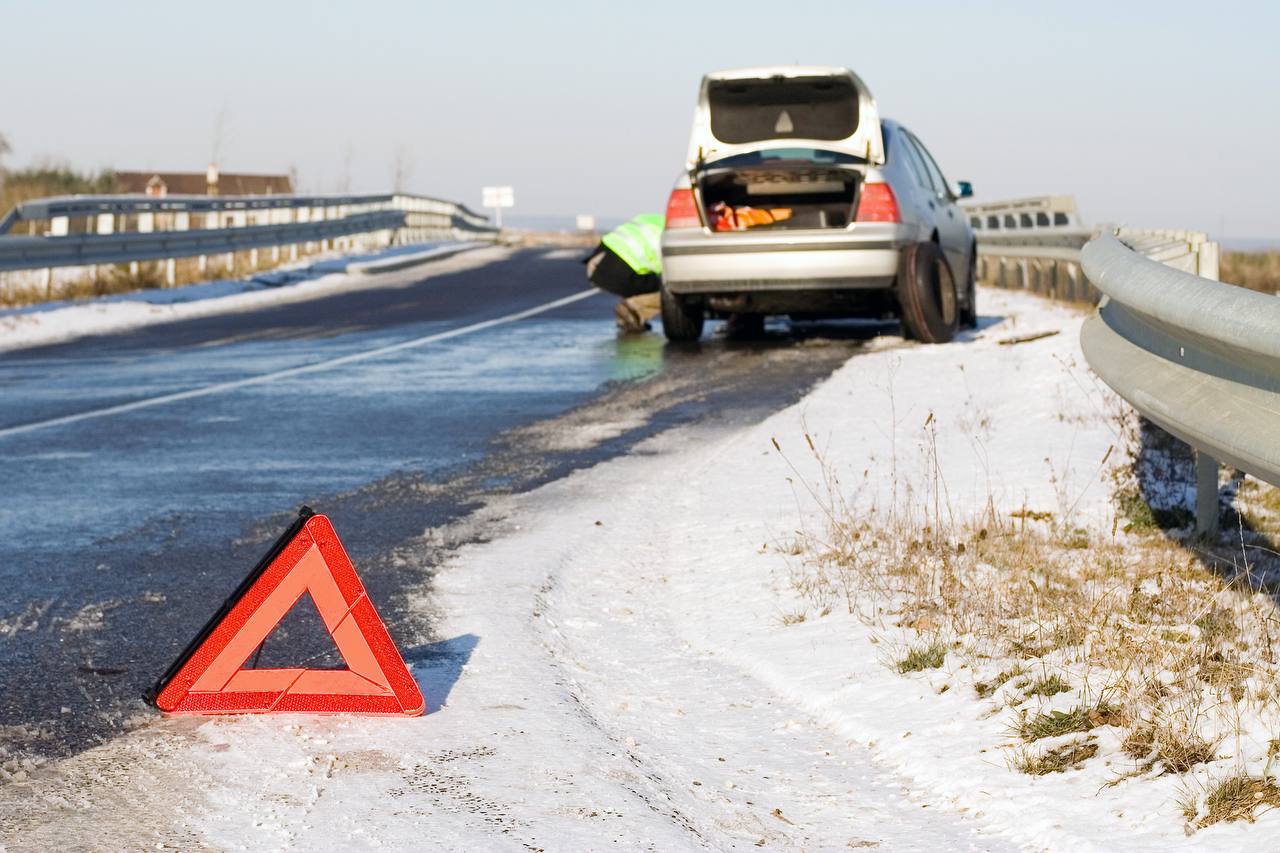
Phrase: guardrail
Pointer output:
(1045, 261)
(1199, 358)
(1020, 214)
(85, 231)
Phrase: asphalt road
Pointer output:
(144, 473)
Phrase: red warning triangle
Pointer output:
(210, 678)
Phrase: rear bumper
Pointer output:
(865, 257)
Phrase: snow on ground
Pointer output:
(616, 671)
(50, 323)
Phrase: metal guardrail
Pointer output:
(23, 253)
(167, 227)
(1045, 261)
(1199, 358)
(1016, 215)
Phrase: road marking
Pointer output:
(315, 367)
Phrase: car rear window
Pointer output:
(781, 107)
(790, 155)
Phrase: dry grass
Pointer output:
(1133, 631)
(150, 275)
(1048, 685)
(1169, 744)
(1254, 270)
(990, 686)
(922, 657)
(1234, 798)
(1068, 756)
(1081, 718)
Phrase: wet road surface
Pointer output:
(131, 507)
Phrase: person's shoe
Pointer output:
(629, 320)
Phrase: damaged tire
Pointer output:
(681, 318)
(927, 295)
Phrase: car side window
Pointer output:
(939, 182)
(915, 161)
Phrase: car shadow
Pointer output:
(438, 666)
(985, 321)
(785, 333)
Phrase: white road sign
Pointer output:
(498, 196)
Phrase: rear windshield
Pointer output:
(790, 155)
(781, 107)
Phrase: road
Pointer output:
(145, 472)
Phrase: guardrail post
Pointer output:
(1206, 494)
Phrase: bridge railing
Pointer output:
(86, 231)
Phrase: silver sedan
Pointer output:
(799, 199)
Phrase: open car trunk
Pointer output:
(797, 190)
(750, 110)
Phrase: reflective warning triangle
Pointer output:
(210, 677)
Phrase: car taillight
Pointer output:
(878, 204)
(682, 212)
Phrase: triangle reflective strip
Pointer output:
(784, 123)
(309, 559)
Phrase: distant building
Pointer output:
(210, 182)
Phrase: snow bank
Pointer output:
(51, 323)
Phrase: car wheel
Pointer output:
(969, 313)
(681, 318)
(927, 295)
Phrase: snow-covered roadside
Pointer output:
(617, 671)
(40, 325)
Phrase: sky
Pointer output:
(1153, 114)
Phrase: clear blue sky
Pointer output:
(1151, 113)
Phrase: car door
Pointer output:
(953, 232)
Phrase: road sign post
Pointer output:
(498, 198)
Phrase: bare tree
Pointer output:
(401, 168)
(5, 150)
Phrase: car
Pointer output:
(799, 199)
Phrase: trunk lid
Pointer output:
(758, 109)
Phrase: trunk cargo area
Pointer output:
(779, 196)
